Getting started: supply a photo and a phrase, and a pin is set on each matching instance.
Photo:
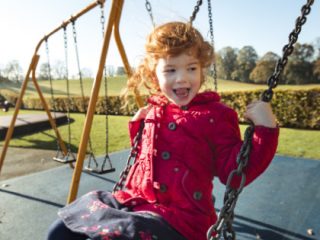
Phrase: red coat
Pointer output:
(181, 150)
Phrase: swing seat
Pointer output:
(69, 158)
(99, 171)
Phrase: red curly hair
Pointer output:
(170, 39)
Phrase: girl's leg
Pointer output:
(59, 231)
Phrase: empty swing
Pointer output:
(60, 155)
(69, 157)
(106, 165)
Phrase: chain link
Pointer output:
(102, 21)
(74, 31)
(195, 11)
(131, 160)
(53, 101)
(213, 70)
(65, 41)
(149, 9)
(226, 215)
(106, 157)
(287, 51)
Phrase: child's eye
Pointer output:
(193, 68)
(169, 70)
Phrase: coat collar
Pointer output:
(200, 98)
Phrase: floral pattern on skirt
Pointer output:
(101, 217)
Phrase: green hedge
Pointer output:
(293, 108)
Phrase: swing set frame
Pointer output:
(112, 26)
(223, 226)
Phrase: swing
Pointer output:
(223, 225)
(60, 156)
(69, 157)
(96, 169)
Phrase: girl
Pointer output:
(188, 138)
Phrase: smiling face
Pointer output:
(179, 78)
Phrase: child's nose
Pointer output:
(181, 76)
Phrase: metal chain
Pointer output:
(65, 40)
(224, 222)
(131, 160)
(286, 51)
(213, 70)
(53, 102)
(106, 157)
(195, 11)
(225, 219)
(74, 31)
(149, 9)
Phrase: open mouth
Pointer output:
(181, 92)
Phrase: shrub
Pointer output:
(293, 108)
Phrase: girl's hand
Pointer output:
(141, 114)
(260, 113)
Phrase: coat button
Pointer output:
(176, 169)
(197, 195)
(165, 155)
(163, 188)
(172, 126)
(184, 107)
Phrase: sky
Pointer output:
(264, 25)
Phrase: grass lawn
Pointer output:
(292, 142)
(116, 84)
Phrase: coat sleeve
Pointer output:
(227, 143)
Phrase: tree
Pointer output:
(59, 70)
(120, 71)
(298, 72)
(226, 62)
(13, 71)
(316, 46)
(302, 52)
(86, 73)
(264, 68)
(110, 70)
(246, 62)
(316, 70)
(299, 69)
(44, 72)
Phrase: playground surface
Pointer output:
(24, 161)
(283, 204)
